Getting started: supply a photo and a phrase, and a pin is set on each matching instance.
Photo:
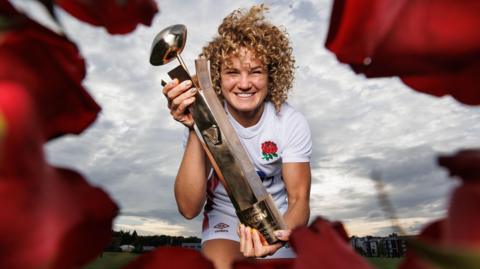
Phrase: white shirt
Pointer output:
(288, 135)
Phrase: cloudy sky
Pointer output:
(359, 126)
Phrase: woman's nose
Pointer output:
(244, 82)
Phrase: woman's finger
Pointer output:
(242, 238)
(170, 85)
(180, 104)
(248, 243)
(182, 108)
(179, 89)
(283, 235)
(257, 244)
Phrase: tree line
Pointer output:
(120, 238)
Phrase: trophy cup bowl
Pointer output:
(168, 44)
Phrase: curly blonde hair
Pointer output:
(270, 44)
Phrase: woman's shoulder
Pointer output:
(287, 111)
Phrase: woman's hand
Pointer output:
(252, 244)
(179, 97)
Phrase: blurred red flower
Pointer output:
(324, 244)
(50, 217)
(50, 67)
(434, 46)
(431, 234)
(179, 258)
(117, 16)
(463, 219)
(458, 232)
(265, 264)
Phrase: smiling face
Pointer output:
(244, 83)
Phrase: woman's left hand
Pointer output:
(252, 243)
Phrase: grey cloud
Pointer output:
(305, 10)
(418, 187)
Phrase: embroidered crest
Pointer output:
(221, 225)
(269, 150)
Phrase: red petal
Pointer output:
(433, 45)
(322, 245)
(49, 216)
(464, 164)
(178, 258)
(116, 17)
(432, 233)
(265, 264)
(463, 221)
(52, 70)
(461, 84)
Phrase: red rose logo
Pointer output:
(269, 150)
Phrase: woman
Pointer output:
(252, 70)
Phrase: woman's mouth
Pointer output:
(244, 95)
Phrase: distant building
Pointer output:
(373, 246)
(392, 246)
(196, 246)
(359, 244)
(147, 248)
(395, 245)
(127, 248)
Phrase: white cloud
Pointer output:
(146, 226)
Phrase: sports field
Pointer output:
(385, 263)
(115, 260)
(111, 260)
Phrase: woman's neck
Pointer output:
(247, 118)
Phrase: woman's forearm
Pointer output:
(191, 180)
(298, 212)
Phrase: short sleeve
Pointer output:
(185, 137)
(297, 139)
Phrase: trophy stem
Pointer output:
(182, 63)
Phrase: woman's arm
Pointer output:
(191, 182)
(297, 179)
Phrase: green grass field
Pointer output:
(115, 260)
(111, 260)
(385, 263)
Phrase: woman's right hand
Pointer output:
(179, 97)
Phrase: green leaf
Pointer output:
(447, 257)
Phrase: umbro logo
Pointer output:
(221, 226)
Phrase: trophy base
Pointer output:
(260, 217)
